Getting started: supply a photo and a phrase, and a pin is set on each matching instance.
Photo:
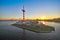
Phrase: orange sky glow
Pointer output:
(32, 18)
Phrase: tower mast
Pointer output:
(23, 10)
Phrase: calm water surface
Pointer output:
(9, 32)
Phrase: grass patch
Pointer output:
(42, 29)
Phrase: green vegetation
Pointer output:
(42, 29)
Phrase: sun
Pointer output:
(43, 17)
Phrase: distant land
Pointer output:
(53, 20)
(50, 20)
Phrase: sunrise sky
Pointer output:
(35, 9)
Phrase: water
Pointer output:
(9, 32)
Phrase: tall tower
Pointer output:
(23, 10)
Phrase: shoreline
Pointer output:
(43, 29)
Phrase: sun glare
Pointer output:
(43, 17)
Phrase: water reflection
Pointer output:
(9, 32)
(43, 22)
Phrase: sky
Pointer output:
(35, 9)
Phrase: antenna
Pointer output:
(23, 10)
